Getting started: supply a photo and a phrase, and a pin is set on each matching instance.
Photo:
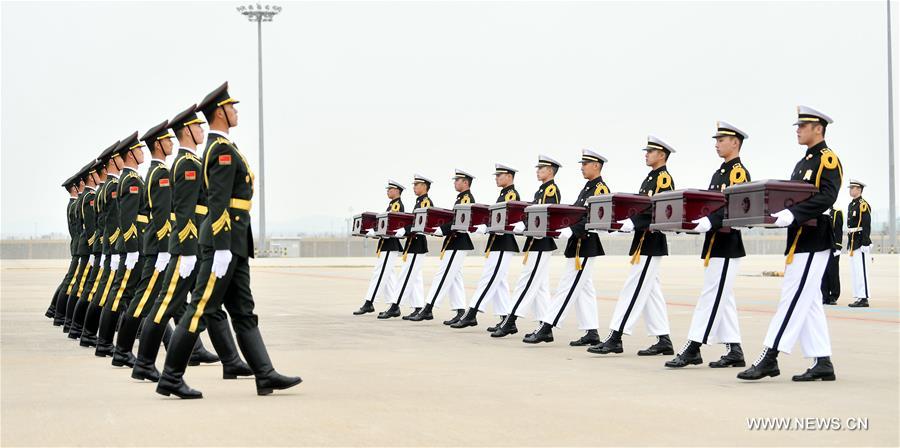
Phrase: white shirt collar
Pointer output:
(223, 134)
(129, 168)
(188, 150)
(88, 187)
(114, 175)
(158, 160)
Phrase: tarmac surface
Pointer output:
(398, 383)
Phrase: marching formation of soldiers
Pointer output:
(141, 245)
(809, 279)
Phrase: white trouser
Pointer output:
(493, 288)
(800, 314)
(642, 296)
(860, 263)
(575, 287)
(383, 283)
(715, 318)
(448, 281)
(532, 291)
(411, 289)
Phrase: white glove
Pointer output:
(370, 232)
(91, 260)
(131, 259)
(221, 260)
(481, 229)
(627, 225)
(438, 232)
(519, 227)
(854, 229)
(102, 259)
(187, 265)
(783, 218)
(162, 260)
(114, 262)
(400, 232)
(565, 233)
(836, 252)
(703, 225)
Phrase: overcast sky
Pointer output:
(356, 93)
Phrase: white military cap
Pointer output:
(545, 160)
(806, 114)
(856, 183)
(500, 168)
(394, 184)
(460, 174)
(654, 142)
(589, 155)
(725, 129)
(418, 178)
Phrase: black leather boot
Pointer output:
(201, 355)
(494, 327)
(860, 303)
(689, 356)
(459, 315)
(766, 365)
(425, 314)
(470, 319)
(734, 357)
(507, 327)
(145, 364)
(544, 334)
(106, 332)
(122, 355)
(392, 311)
(612, 344)
(267, 379)
(821, 370)
(663, 346)
(366, 308)
(232, 364)
(590, 338)
(171, 382)
(413, 314)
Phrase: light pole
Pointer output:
(260, 13)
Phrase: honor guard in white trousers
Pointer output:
(410, 290)
(859, 227)
(576, 287)
(384, 278)
(642, 293)
(532, 292)
(448, 280)
(800, 315)
(715, 319)
(493, 287)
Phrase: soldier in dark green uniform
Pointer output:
(75, 184)
(188, 209)
(493, 287)
(226, 244)
(448, 280)
(155, 204)
(108, 226)
(642, 294)
(129, 154)
(72, 189)
(79, 315)
(88, 220)
(412, 290)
